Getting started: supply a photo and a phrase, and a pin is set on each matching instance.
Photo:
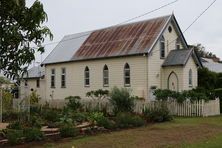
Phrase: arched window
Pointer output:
(177, 43)
(162, 47)
(105, 76)
(87, 76)
(126, 75)
(190, 78)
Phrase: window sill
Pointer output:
(63, 86)
(127, 85)
(105, 85)
(162, 58)
(190, 86)
(87, 85)
(53, 87)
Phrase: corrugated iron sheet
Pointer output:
(121, 40)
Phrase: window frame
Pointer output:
(86, 78)
(125, 71)
(105, 78)
(190, 79)
(162, 48)
(63, 75)
(177, 43)
(38, 83)
(53, 75)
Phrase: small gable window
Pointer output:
(177, 43)
(126, 75)
(190, 77)
(105, 76)
(87, 77)
(162, 47)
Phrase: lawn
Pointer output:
(182, 132)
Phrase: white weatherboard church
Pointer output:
(141, 56)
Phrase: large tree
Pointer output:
(22, 33)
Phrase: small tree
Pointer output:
(98, 94)
(122, 100)
(73, 102)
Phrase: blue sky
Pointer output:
(73, 16)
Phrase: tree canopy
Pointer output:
(22, 33)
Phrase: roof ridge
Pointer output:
(113, 26)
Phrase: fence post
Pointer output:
(203, 112)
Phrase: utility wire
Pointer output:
(170, 3)
(194, 21)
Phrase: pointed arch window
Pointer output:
(105, 76)
(87, 76)
(177, 43)
(126, 75)
(190, 77)
(162, 47)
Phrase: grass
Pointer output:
(182, 132)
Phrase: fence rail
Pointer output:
(186, 109)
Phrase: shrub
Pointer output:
(15, 125)
(7, 100)
(180, 97)
(98, 94)
(157, 114)
(35, 121)
(125, 120)
(79, 117)
(95, 116)
(10, 116)
(121, 100)
(51, 115)
(73, 102)
(99, 119)
(33, 134)
(14, 136)
(68, 131)
(34, 98)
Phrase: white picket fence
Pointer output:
(186, 109)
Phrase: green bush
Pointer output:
(79, 117)
(125, 120)
(121, 100)
(14, 136)
(73, 103)
(99, 119)
(15, 125)
(98, 94)
(68, 131)
(35, 121)
(180, 97)
(9, 116)
(33, 134)
(51, 115)
(7, 100)
(157, 114)
(34, 98)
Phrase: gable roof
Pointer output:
(211, 65)
(127, 39)
(35, 72)
(123, 40)
(180, 57)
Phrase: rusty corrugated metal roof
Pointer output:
(129, 39)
